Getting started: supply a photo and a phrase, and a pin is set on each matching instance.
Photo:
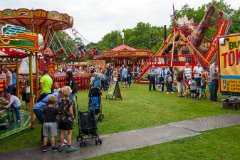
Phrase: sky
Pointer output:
(95, 18)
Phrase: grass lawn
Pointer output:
(138, 109)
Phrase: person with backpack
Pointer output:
(73, 85)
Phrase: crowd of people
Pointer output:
(55, 107)
(101, 77)
(191, 82)
(55, 110)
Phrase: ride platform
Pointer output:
(15, 127)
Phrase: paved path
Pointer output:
(128, 140)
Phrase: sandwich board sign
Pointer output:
(113, 91)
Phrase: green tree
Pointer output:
(235, 27)
(110, 40)
(144, 36)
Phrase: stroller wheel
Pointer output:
(83, 144)
(96, 142)
(99, 141)
(100, 118)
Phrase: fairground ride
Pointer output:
(190, 43)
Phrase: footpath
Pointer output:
(129, 140)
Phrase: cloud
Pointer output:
(95, 18)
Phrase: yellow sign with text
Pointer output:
(229, 58)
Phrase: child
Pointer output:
(14, 103)
(56, 87)
(187, 91)
(49, 123)
(66, 117)
(169, 82)
(193, 87)
(26, 91)
(115, 76)
(160, 83)
(203, 87)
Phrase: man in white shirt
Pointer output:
(14, 102)
(197, 74)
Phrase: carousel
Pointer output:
(19, 38)
(124, 54)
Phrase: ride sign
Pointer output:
(229, 63)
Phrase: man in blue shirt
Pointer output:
(124, 77)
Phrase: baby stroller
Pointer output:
(87, 127)
(94, 103)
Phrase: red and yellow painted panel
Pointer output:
(229, 62)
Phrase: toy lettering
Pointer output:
(233, 45)
(231, 58)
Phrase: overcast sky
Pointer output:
(95, 18)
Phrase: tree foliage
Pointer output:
(143, 36)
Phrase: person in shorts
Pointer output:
(193, 87)
(49, 123)
(124, 77)
(66, 118)
(197, 74)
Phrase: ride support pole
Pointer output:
(31, 90)
(37, 74)
(17, 78)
